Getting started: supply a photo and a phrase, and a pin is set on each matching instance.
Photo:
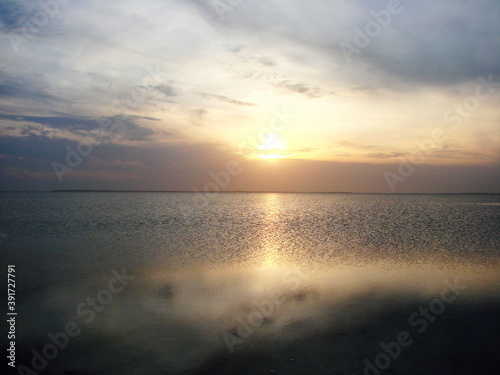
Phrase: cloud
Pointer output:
(459, 154)
(10, 14)
(460, 43)
(68, 123)
(186, 166)
(126, 62)
(355, 145)
(386, 155)
(152, 165)
(32, 86)
(123, 125)
(267, 61)
(167, 90)
(225, 99)
(16, 21)
(458, 46)
(198, 116)
(301, 88)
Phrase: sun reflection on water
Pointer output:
(270, 241)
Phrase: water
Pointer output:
(324, 278)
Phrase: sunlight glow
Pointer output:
(271, 149)
(270, 256)
(272, 156)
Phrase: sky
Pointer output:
(250, 95)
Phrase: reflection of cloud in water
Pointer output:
(175, 322)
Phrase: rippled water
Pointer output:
(318, 274)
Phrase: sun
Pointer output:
(272, 148)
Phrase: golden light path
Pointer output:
(271, 251)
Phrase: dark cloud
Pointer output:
(33, 147)
(267, 61)
(15, 14)
(460, 44)
(68, 123)
(386, 155)
(301, 88)
(167, 90)
(33, 86)
(48, 90)
(26, 164)
(459, 154)
(225, 99)
(37, 130)
(160, 166)
(11, 13)
(198, 116)
(438, 43)
(124, 125)
(235, 48)
(127, 126)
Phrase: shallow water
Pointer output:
(254, 283)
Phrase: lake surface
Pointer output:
(302, 272)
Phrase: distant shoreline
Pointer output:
(231, 192)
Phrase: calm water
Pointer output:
(198, 267)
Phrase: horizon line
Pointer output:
(227, 191)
